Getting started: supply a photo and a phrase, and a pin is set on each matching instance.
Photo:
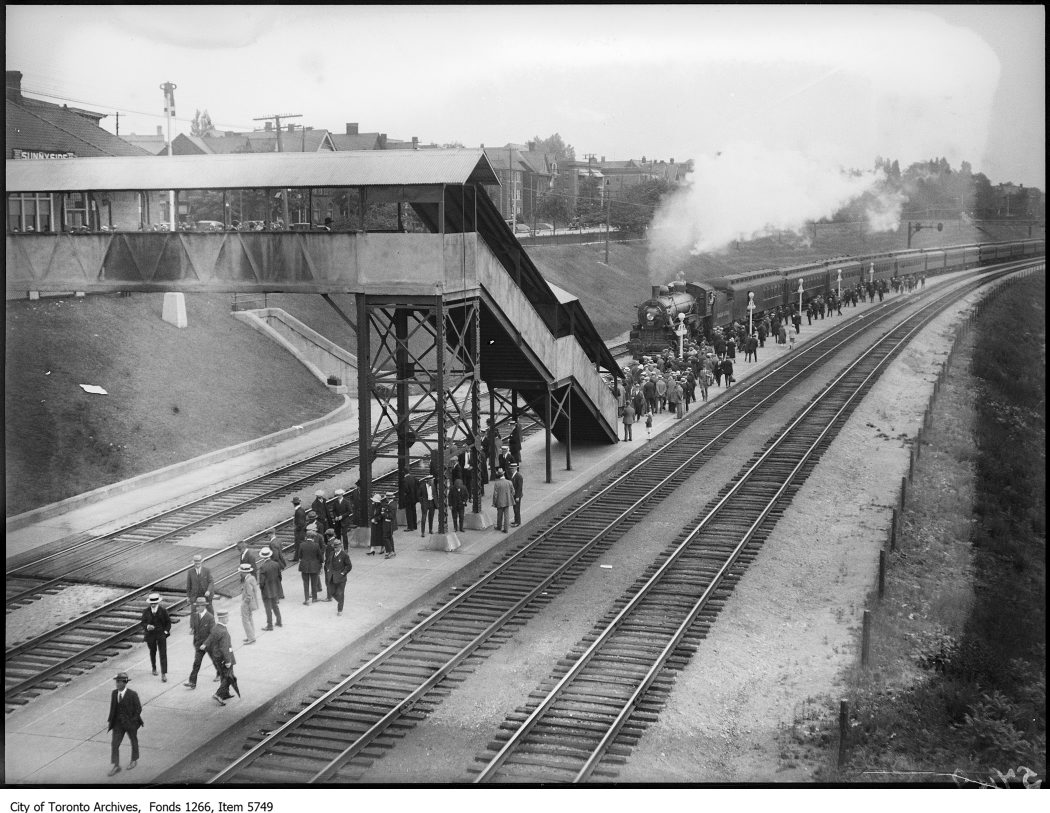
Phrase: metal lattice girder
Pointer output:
(423, 377)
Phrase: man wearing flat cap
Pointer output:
(250, 601)
(156, 627)
(218, 646)
(310, 557)
(199, 582)
(320, 507)
(125, 717)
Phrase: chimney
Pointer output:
(291, 128)
(656, 291)
(415, 143)
(532, 146)
(160, 130)
(382, 141)
(351, 128)
(269, 126)
(14, 85)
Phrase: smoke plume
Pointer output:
(748, 191)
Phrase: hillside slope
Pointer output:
(173, 393)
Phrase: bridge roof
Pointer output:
(267, 170)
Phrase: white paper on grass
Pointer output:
(94, 388)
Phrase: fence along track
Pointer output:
(586, 718)
(346, 727)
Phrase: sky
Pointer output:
(965, 82)
(774, 99)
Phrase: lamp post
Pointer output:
(680, 332)
(800, 295)
(871, 274)
(750, 312)
(838, 285)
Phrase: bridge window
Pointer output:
(29, 212)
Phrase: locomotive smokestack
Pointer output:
(656, 291)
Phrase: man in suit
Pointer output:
(327, 554)
(310, 557)
(156, 627)
(218, 646)
(341, 566)
(250, 601)
(299, 524)
(320, 507)
(458, 498)
(427, 495)
(514, 441)
(201, 622)
(342, 516)
(248, 556)
(409, 497)
(199, 582)
(518, 484)
(125, 717)
(502, 499)
(270, 587)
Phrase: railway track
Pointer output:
(53, 658)
(346, 727)
(590, 713)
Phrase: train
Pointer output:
(702, 306)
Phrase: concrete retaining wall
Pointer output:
(321, 356)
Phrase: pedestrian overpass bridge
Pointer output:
(446, 300)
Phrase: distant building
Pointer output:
(37, 130)
(289, 139)
(525, 175)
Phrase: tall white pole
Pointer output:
(800, 296)
(169, 109)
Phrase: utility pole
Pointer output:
(277, 124)
(169, 114)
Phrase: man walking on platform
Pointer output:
(125, 717)
(270, 587)
(218, 646)
(342, 516)
(341, 566)
(200, 583)
(156, 627)
(201, 623)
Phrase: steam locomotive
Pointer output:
(701, 306)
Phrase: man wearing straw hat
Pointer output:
(250, 601)
(125, 717)
(199, 582)
(219, 647)
(156, 627)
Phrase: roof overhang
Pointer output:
(247, 171)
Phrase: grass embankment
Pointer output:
(173, 393)
(957, 681)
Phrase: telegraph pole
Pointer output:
(277, 124)
(169, 114)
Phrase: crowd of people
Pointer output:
(669, 382)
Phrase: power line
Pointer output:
(121, 109)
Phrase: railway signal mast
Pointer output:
(680, 333)
(800, 295)
(838, 285)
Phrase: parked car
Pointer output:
(544, 227)
(522, 228)
(210, 225)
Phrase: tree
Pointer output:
(555, 208)
(633, 212)
(201, 124)
(556, 147)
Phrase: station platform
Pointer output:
(60, 738)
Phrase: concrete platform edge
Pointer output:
(176, 469)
